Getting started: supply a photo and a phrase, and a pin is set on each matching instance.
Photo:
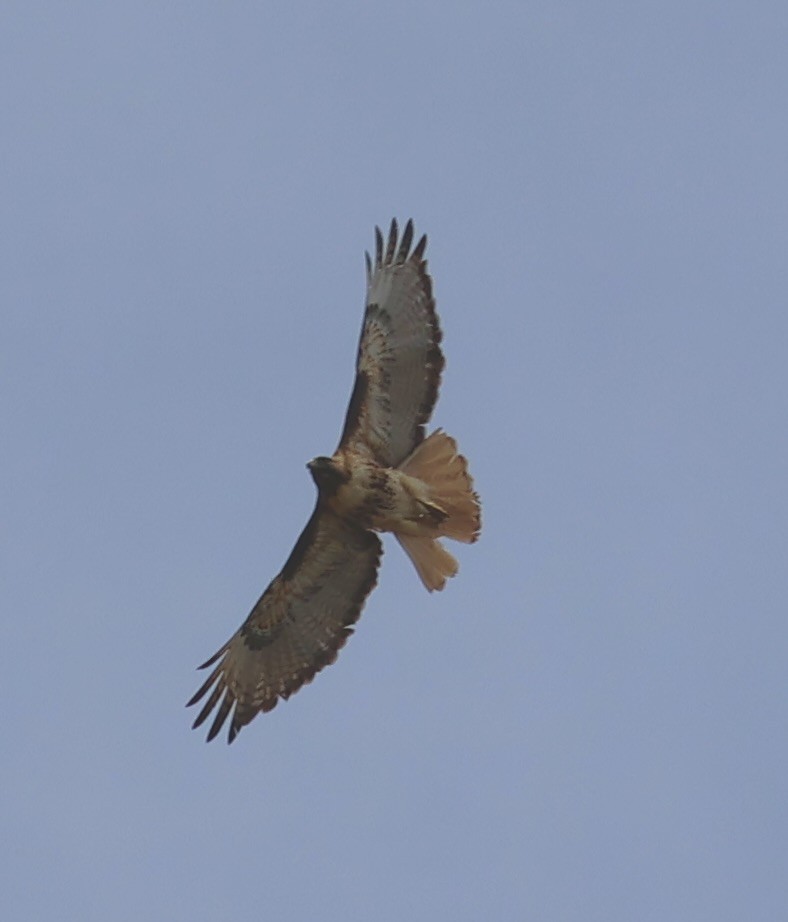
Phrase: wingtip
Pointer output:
(407, 239)
(215, 657)
(387, 252)
(392, 242)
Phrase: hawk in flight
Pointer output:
(384, 476)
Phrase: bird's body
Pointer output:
(376, 497)
(385, 476)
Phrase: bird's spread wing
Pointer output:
(298, 625)
(399, 356)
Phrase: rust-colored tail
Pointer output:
(432, 561)
(437, 463)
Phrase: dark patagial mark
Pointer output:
(353, 416)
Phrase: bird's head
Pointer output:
(327, 474)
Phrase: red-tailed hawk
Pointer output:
(384, 476)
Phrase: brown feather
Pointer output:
(298, 625)
(399, 361)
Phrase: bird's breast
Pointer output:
(368, 496)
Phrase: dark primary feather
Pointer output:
(407, 239)
(399, 361)
(297, 627)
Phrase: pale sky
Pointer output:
(590, 722)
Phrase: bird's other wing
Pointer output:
(399, 363)
(298, 625)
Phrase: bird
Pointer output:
(386, 475)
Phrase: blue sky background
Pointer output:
(590, 722)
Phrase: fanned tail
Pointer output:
(444, 471)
